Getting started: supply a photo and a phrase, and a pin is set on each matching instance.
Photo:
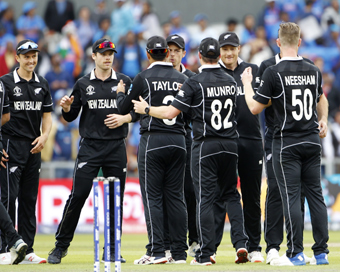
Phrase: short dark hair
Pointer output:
(159, 57)
(208, 60)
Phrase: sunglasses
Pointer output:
(158, 51)
(27, 45)
(106, 45)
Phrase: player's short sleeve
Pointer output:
(184, 97)
(5, 102)
(47, 104)
(267, 85)
(319, 86)
(258, 76)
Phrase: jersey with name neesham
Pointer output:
(28, 100)
(269, 112)
(4, 106)
(97, 99)
(211, 97)
(248, 125)
(158, 85)
(294, 86)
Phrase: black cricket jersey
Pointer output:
(294, 86)
(211, 97)
(158, 85)
(187, 72)
(28, 100)
(4, 106)
(269, 112)
(248, 125)
(97, 99)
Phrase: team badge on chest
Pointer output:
(90, 90)
(17, 91)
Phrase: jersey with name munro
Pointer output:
(28, 100)
(248, 125)
(97, 99)
(158, 85)
(294, 86)
(211, 97)
(269, 112)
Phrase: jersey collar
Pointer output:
(183, 69)
(291, 58)
(17, 78)
(93, 75)
(160, 63)
(208, 66)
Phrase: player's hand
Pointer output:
(247, 76)
(121, 87)
(180, 86)
(39, 144)
(139, 106)
(114, 120)
(3, 156)
(323, 127)
(66, 103)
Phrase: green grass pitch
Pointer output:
(80, 256)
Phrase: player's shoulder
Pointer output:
(189, 73)
(122, 76)
(308, 60)
(7, 77)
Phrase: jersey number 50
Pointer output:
(216, 118)
(305, 106)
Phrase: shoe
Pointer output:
(194, 262)
(32, 258)
(55, 255)
(272, 255)
(145, 260)
(113, 257)
(5, 258)
(255, 257)
(213, 258)
(319, 259)
(168, 254)
(297, 260)
(18, 252)
(193, 248)
(241, 256)
(171, 260)
(307, 259)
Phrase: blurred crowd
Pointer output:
(65, 38)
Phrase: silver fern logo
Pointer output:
(80, 165)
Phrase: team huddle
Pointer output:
(199, 133)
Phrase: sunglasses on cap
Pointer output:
(158, 51)
(106, 45)
(27, 45)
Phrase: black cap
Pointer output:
(209, 48)
(229, 38)
(30, 46)
(101, 50)
(176, 39)
(156, 42)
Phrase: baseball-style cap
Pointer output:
(176, 39)
(26, 46)
(209, 48)
(103, 45)
(156, 42)
(229, 38)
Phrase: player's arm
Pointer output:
(322, 110)
(161, 112)
(117, 120)
(254, 106)
(71, 105)
(5, 118)
(46, 126)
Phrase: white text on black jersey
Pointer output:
(221, 91)
(165, 86)
(102, 104)
(27, 105)
(300, 80)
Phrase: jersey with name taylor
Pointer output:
(211, 97)
(294, 86)
(248, 125)
(269, 113)
(97, 99)
(28, 100)
(158, 85)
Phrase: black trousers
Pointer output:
(93, 155)
(250, 163)
(6, 227)
(214, 163)
(161, 163)
(20, 181)
(297, 162)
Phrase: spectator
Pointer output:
(131, 57)
(104, 27)
(137, 9)
(248, 32)
(121, 21)
(330, 15)
(58, 13)
(100, 11)
(7, 19)
(29, 24)
(150, 22)
(203, 31)
(57, 78)
(85, 27)
(269, 19)
(294, 8)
